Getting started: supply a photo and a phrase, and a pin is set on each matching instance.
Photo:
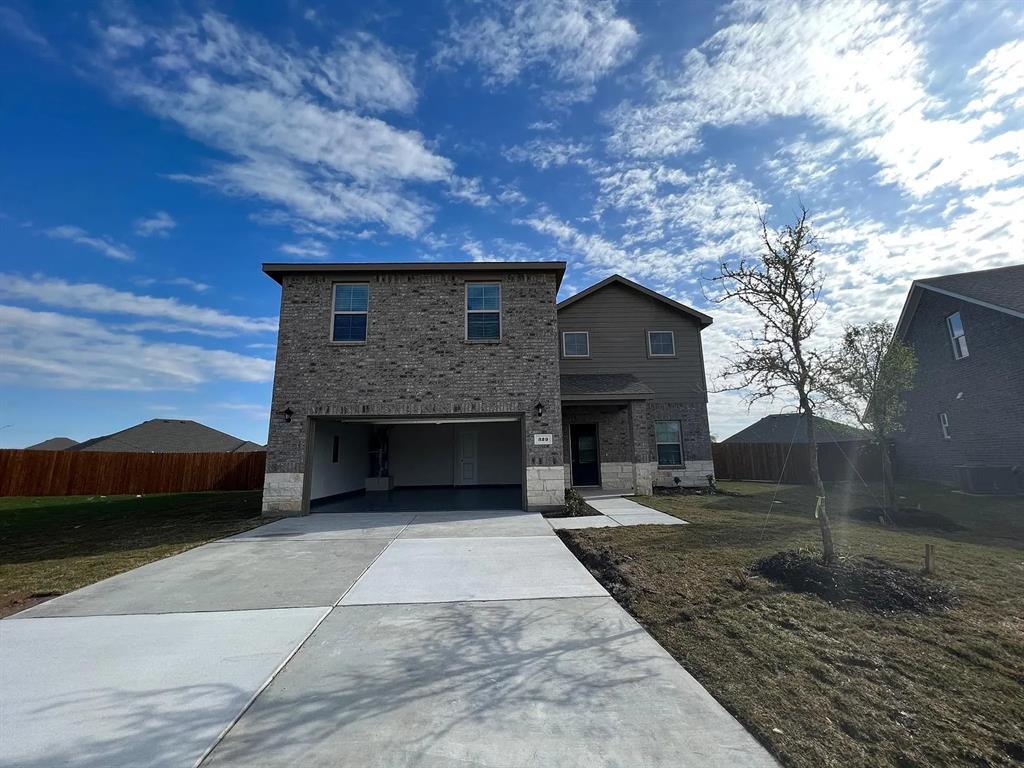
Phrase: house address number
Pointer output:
(543, 439)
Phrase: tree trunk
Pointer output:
(888, 481)
(828, 552)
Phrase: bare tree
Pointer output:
(782, 285)
(869, 373)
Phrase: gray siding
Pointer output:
(983, 394)
(618, 318)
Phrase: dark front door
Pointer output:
(583, 446)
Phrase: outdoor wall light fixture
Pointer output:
(287, 414)
(539, 408)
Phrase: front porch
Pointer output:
(619, 440)
(605, 424)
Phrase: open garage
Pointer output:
(378, 464)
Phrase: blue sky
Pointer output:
(154, 155)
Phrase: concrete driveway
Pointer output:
(389, 639)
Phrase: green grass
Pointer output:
(823, 685)
(52, 545)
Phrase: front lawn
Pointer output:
(54, 544)
(823, 684)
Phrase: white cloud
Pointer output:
(289, 118)
(856, 68)
(1001, 76)
(470, 190)
(579, 42)
(48, 349)
(105, 245)
(18, 27)
(548, 153)
(363, 74)
(306, 249)
(157, 225)
(100, 299)
(186, 282)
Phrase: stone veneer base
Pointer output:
(282, 493)
(545, 487)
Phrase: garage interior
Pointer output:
(436, 464)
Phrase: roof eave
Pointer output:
(277, 270)
(617, 397)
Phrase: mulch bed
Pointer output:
(868, 582)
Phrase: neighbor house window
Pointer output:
(350, 306)
(483, 311)
(669, 437)
(576, 344)
(661, 343)
(335, 449)
(944, 425)
(956, 335)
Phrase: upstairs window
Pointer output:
(350, 308)
(483, 311)
(956, 335)
(661, 344)
(944, 425)
(575, 344)
(669, 437)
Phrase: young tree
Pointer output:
(782, 286)
(869, 372)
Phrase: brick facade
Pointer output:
(982, 394)
(415, 362)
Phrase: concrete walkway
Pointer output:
(389, 639)
(615, 511)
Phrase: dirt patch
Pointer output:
(906, 517)
(609, 568)
(868, 582)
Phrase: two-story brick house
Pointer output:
(393, 378)
(967, 403)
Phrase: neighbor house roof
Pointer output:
(603, 386)
(792, 427)
(278, 270)
(704, 320)
(1001, 289)
(53, 444)
(169, 436)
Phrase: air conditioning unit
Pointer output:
(990, 478)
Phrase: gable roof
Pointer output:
(792, 427)
(168, 436)
(53, 444)
(1001, 289)
(278, 270)
(700, 317)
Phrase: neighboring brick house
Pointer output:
(447, 375)
(967, 404)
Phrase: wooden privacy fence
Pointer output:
(77, 473)
(765, 461)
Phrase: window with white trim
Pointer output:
(661, 344)
(575, 344)
(483, 311)
(957, 336)
(944, 425)
(669, 437)
(351, 304)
